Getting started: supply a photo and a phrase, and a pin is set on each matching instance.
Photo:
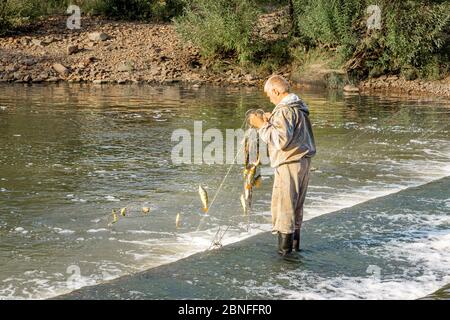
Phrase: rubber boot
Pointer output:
(280, 244)
(296, 242)
(285, 243)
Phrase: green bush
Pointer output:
(137, 9)
(16, 12)
(327, 23)
(413, 39)
(4, 16)
(220, 28)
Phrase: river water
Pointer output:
(70, 154)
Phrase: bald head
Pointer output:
(280, 84)
(276, 88)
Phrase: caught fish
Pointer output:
(246, 152)
(249, 179)
(251, 176)
(204, 197)
(115, 218)
(248, 194)
(257, 181)
(177, 220)
(145, 210)
(123, 212)
(244, 204)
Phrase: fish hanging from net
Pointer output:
(251, 173)
(252, 160)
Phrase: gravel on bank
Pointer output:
(106, 52)
(389, 84)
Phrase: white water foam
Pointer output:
(97, 230)
(431, 253)
(201, 241)
(187, 244)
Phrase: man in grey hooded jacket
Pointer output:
(288, 133)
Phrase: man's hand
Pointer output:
(257, 121)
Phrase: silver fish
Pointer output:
(115, 218)
(244, 204)
(177, 220)
(257, 181)
(203, 197)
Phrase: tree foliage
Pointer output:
(413, 39)
(220, 28)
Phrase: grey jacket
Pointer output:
(288, 133)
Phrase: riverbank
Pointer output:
(105, 51)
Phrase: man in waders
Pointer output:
(289, 136)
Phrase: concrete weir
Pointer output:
(360, 252)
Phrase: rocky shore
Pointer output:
(391, 84)
(105, 51)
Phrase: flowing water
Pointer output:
(71, 154)
(372, 250)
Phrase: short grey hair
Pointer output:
(277, 82)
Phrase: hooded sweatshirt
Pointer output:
(288, 133)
